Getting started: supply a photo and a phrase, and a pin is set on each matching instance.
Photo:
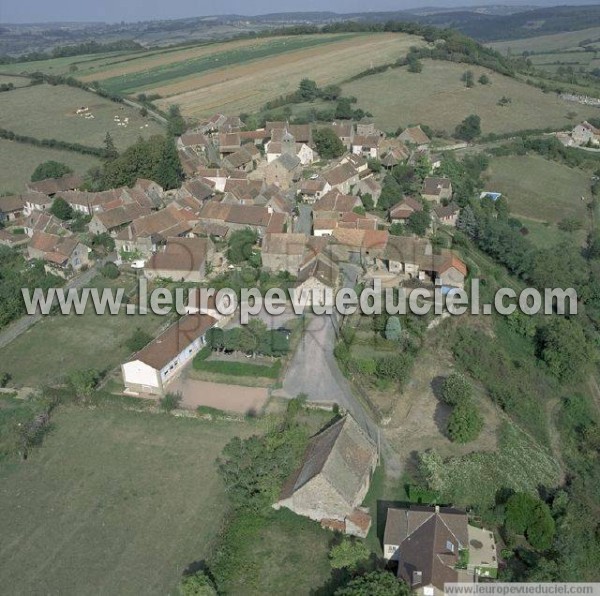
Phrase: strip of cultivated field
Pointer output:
(131, 73)
(247, 87)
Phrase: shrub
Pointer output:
(465, 423)
(348, 554)
(198, 584)
(50, 169)
(456, 390)
(110, 271)
(4, 379)
(170, 401)
(138, 340)
(84, 382)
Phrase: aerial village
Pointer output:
(312, 221)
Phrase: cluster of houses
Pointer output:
(238, 179)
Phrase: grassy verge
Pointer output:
(238, 369)
(277, 553)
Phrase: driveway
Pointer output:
(314, 370)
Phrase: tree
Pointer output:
(468, 78)
(469, 129)
(414, 64)
(155, 158)
(251, 336)
(344, 110)
(176, 124)
(254, 469)
(541, 529)
(467, 222)
(349, 554)
(418, 222)
(168, 171)
(562, 345)
(561, 266)
(465, 423)
(367, 201)
(109, 146)
(374, 165)
(393, 329)
(61, 209)
(240, 245)
(528, 515)
(328, 144)
(50, 169)
(456, 390)
(110, 271)
(84, 382)
(198, 584)
(138, 340)
(484, 80)
(4, 379)
(376, 583)
(331, 92)
(307, 90)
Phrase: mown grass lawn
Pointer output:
(113, 502)
(60, 344)
(539, 189)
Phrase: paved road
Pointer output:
(21, 325)
(314, 371)
(303, 224)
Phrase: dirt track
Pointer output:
(231, 398)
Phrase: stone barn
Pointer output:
(333, 479)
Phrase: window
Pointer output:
(449, 546)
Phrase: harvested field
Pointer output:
(247, 87)
(437, 97)
(131, 73)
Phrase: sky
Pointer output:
(43, 11)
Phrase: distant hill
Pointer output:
(494, 22)
(532, 23)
